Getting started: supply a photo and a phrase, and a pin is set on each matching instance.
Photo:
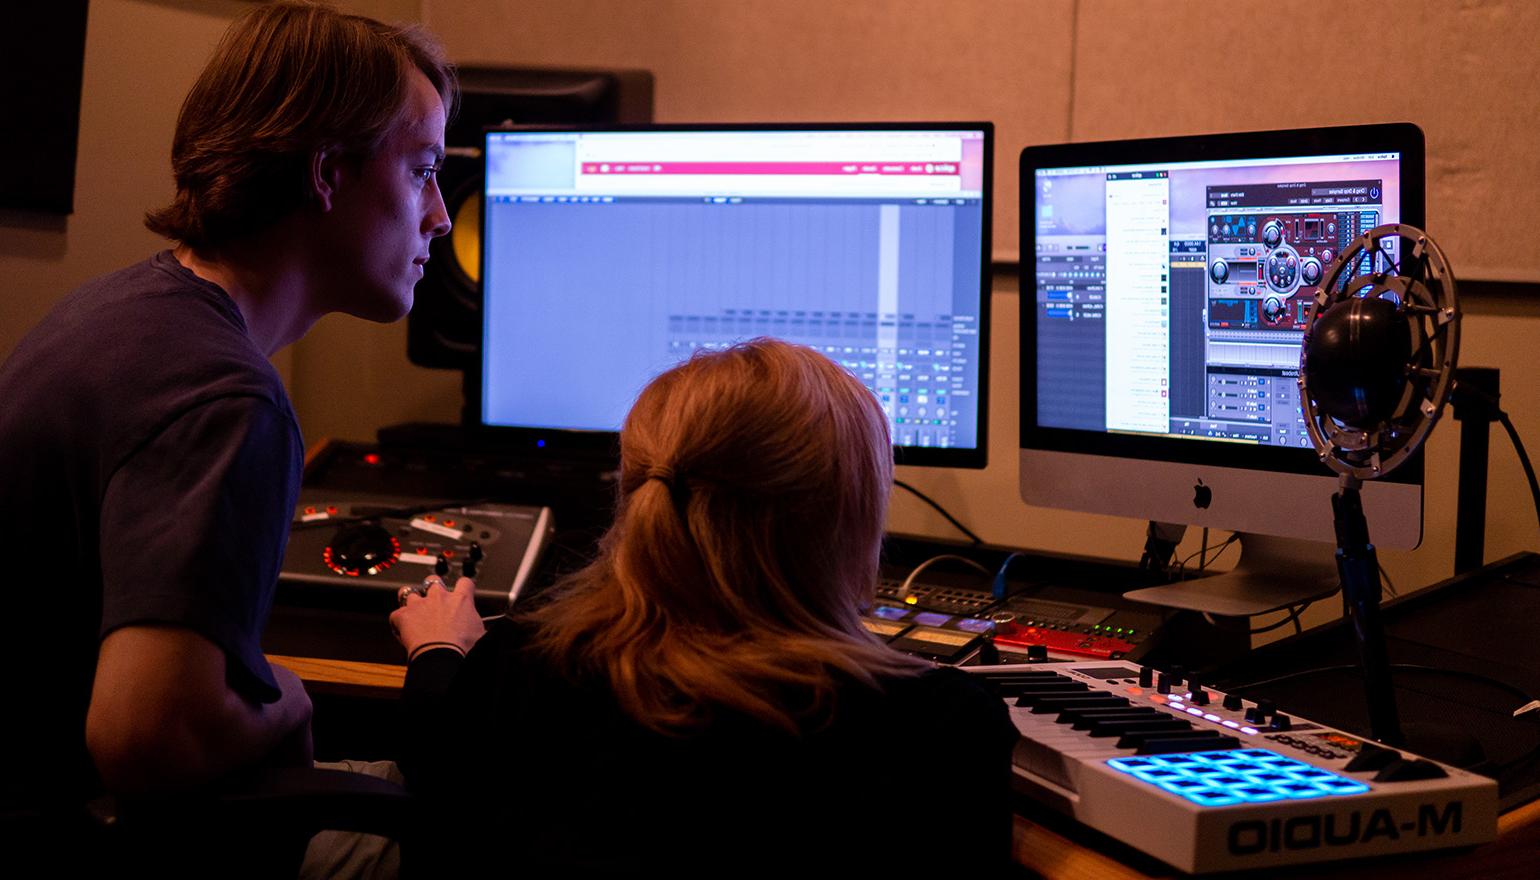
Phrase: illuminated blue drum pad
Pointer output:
(1242, 776)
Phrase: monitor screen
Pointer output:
(610, 255)
(1167, 282)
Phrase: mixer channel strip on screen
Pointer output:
(1207, 781)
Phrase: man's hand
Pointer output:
(163, 718)
(439, 615)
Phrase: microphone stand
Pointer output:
(1359, 569)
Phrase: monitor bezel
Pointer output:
(583, 443)
(1405, 138)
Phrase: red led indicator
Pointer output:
(309, 510)
(371, 458)
(331, 508)
(430, 518)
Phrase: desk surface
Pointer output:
(1045, 845)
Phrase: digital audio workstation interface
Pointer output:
(1171, 297)
(611, 256)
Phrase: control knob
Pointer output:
(1272, 233)
(361, 549)
(1310, 270)
(1272, 309)
(1258, 714)
(1219, 270)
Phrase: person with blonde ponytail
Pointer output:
(704, 690)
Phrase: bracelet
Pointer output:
(427, 645)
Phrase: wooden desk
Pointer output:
(347, 677)
(1038, 845)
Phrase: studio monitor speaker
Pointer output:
(444, 328)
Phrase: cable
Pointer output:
(941, 510)
(1529, 469)
(1291, 617)
(1513, 437)
(1389, 585)
(903, 589)
(1181, 567)
(997, 589)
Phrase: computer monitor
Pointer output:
(1165, 284)
(611, 254)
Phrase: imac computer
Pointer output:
(1165, 283)
(611, 254)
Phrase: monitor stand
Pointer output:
(1274, 573)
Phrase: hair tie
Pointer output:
(678, 490)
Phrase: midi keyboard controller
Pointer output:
(1206, 781)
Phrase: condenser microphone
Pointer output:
(1376, 367)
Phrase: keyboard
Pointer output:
(1205, 781)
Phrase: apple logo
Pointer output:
(1201, 495)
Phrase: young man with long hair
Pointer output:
(149, 455)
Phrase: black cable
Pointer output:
(1492, 401)
(1181, 567)
(1291, 617)
(1529, 469)
(941, 510)
(1389, 585)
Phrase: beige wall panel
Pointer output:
(805, 60)
(1467, 72)
(140, 59)
(723, 61)
(352, 378)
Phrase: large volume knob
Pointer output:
(361, 549)
(1219, 270)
